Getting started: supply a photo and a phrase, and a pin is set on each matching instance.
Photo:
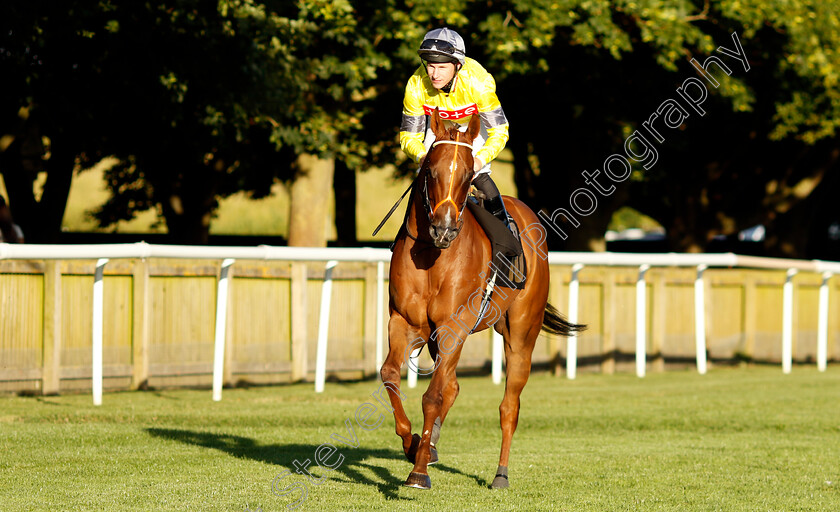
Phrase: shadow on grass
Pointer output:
(47, 402)
(283, 455)
(481, 482)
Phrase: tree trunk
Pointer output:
(41, 220)
(21, 198)
(344, 187)
(188, 201)
(186, 224)
(53, 201)
(309, 209)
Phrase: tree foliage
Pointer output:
(765, 153)
(197, 99)
(200, 100)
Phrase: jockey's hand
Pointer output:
(477, 164)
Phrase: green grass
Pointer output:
(745, 439)
(628, 218)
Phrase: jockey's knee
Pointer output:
(484, 183)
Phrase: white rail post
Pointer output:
(221, 329)
(787, 322)
(641, 321)
(412, 368)
(574, 300)
(323, 328)
(700, 319)
(380, 313)
(822, 327)
(98, 319)
(498, 342)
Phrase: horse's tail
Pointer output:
(555, 323)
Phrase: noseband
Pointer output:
(430, 212)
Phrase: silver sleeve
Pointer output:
(413, 124)
(493, 118)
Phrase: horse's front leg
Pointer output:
(433, 405)
(399, 332)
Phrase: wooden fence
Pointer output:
(159, 321)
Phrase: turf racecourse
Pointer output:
(745, 439)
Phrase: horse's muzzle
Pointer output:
(443, 236)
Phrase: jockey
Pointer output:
(461, 88)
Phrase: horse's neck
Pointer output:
(417, 218)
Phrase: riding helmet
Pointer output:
(443, 45)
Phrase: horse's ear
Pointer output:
(437, 125)
(473, 128)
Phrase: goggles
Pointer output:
(439, 45)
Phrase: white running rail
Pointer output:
(578, 260)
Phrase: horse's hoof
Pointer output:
(411, 454)
(418, 481)
(500, 482)
(434, 455)
(412, 451)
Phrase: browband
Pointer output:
(452, 142)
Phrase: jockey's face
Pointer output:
(440, 73)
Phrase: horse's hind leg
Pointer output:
(519, 345)
(399, 331)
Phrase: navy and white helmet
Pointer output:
(443, 45)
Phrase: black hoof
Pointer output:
(412, 451)
(434, 456)
(418, 481)
(411, 454)
(500, 482)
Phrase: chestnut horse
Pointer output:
(440, 259)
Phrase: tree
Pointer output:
(294, 97)
(774, 117)
(40, 130)
(196, 82)
(198, 100)
(168, 87)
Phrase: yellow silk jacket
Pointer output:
(473, 91)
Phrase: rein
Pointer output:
(427, 203)
(431, 211)
(388, 215)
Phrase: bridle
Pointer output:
(430, 212)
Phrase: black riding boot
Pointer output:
(506, 242)
(493, 199)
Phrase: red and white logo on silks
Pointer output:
(452, 114)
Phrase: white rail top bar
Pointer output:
(266, 252)
(144, 250)
(635, 259)
(673, 259)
